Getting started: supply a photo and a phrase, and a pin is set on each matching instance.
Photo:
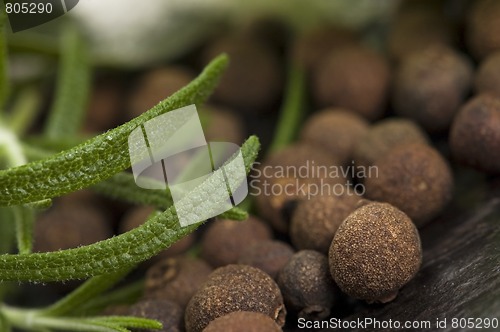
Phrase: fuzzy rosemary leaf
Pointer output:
(100, 157)
(134, 246)
(25, 220)
(72, 89)
(292, 109)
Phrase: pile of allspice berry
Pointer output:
(410, 108)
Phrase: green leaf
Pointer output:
(25, 219)
(292, 109)
(83, 294)
(24, 110)
(100, 157)
(132, 247)
(73, 84)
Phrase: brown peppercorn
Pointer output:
(430, 85)
(414, 178)
(385, 135)
(67, 226)
(335, 130)
(166, 312)
(176, 279)
(253, 79)
(487, 78)
(222, 125)
(138, 216)
(243, 321)
(417, 25)
(290, 175)
(105, 103)
(270, 256)
(475, 134)
(225, 239)
(315, 221)
(156, 85)
(375, 252)
(312, 46)
(482, 26)
(307, 286)
(355, 78)
(234, 288)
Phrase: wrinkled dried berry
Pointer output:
(270, 256)
(335, 130)
(176, 279)
(430, 85)
(307, 286)
(316, 220)
(234, 288)
(475, 134)
(225, 239)
(243, 321)
(355, 78)
(375, 252)
(166, 312)
(414, 178)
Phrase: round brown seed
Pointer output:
(307, 286)
(335, 130)
(487, 78)
(316, 220)
(176, 279)
(354, 78)
(414, 178)
(225, 239)
(243, 321)
(385, 135)
(270, 256)
(482, 26)
(166, 312)
(234, 288)
(430, 85)
(375, 252)
(290, 175)
(475, 134)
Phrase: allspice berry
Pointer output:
(307, 286)
(225, 239)
(176, 279)
(430, 85)
(487, 78)
(156, 85)
(296, 172)
(335, 130)
(67, 226)
(243, 321)
(482, 25)
(414, 178)
(310, 47)
(355, 78)
(417, 25)
(253, 79)
(166, 312)
(375, 252)
(475, 134)
(234, 288)
(315, 221)
(270, 256)
(385, 135)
